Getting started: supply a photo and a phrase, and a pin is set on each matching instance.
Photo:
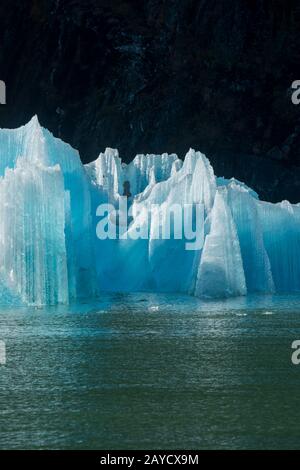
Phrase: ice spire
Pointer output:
(221, 272)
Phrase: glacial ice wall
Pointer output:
(45, 225)
(50, 252)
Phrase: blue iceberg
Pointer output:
(51, 252)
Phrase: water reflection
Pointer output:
(151, 371)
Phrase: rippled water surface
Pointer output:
(152, 372)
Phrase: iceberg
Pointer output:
(51, 251)
(46, 225)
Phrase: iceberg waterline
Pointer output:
(50, 252)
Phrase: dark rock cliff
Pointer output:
(162, 75)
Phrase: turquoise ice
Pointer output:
(50, 252)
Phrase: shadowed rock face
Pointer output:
(161, 76)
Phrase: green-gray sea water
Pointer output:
(141, 371)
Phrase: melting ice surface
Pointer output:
(50, 254)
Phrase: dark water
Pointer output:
(148, 371)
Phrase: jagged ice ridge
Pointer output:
(50, 253)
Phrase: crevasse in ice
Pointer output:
(50, 252)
